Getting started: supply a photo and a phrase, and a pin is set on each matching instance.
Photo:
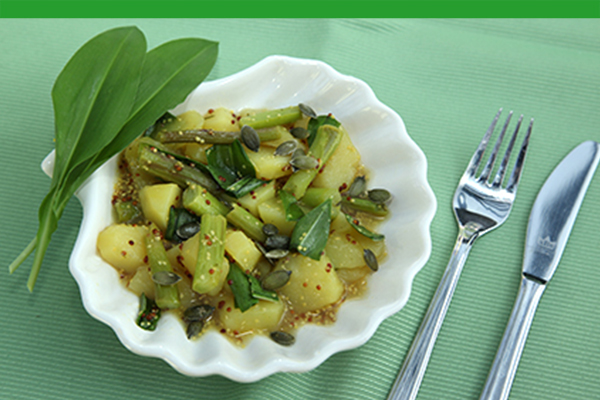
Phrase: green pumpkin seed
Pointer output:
(270, 229)
(370, 259)
(307, 110)
(276, 279)
(299, 132)
(379, 196)
(250, 138)
(277, 242)
(194, 328)
(166, 278)
(304, 162)
(286, 148)
(277, 253)
(186, 231)
(283, 338)
(358, 187)
(198, 313)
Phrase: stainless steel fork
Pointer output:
(480, 205)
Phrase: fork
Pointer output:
(480, 205)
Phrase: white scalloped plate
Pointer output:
(388, 152)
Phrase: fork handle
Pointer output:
(504, 368)
(411, 374)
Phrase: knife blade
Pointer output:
(550, 224)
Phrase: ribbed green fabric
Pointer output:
(446, 78)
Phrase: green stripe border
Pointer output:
(299, 9)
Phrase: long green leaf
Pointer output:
(171, 71)
(93, 95)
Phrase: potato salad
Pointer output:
(247, 222)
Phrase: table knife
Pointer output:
(550, 223)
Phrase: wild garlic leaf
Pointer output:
(315, 123)
(362, 230)
(240, 286)
(293, 212)
(311, 232)
(171, 71)
(93, 95)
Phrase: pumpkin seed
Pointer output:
(304, 162)
(277, 242)
(264, 252)
(358, 187)
(166, 278)
(188, 230)
(277, 253)
(198, 313)
(379, 196)
(194, 328)
(276, 279)
(298, 152)
(307, 110)
(270, 229)
(283, 338)
(286, 148)
(250, 138)
(370, 259)
(299, 132)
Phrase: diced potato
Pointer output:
(251, 201)
(221, 119)
(157, 200)
(189, 253)
(269, 166)
(188, 120)
(376, 246)
(242, 249)
(142, 282)
(344, 251)
(313, 285)
(196, 151)
(272, 212)
(265, 315)
(285, 136)
(351, 275)
(123, 246)
(341, 225)
(342, 166)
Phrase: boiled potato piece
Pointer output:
(242, 249)
(269, 166)
(188, 120)
(142, 282)
(221, 119)
(251, 201)
(313, 285)
(342, 166)
(265, 315)
(351, 275)
(189, 253)
(123, 246)
(344, 251)
(196, 152)
(272, 212)
(157, 200)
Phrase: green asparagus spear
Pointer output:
(270, 118)
(198, 200)
(154, 160)
(167, 297)
(326, 141)
(364, 205)
(208, 136)
(247, 222)
(211, 253)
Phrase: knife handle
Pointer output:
(502, 373)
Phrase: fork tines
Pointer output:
(487, 169)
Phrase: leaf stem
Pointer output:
(23, 256)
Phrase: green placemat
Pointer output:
(446, 78)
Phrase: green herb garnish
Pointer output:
(312, 231)
(293, 212)
(362, 230)
(148, 315)
(109, 92)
